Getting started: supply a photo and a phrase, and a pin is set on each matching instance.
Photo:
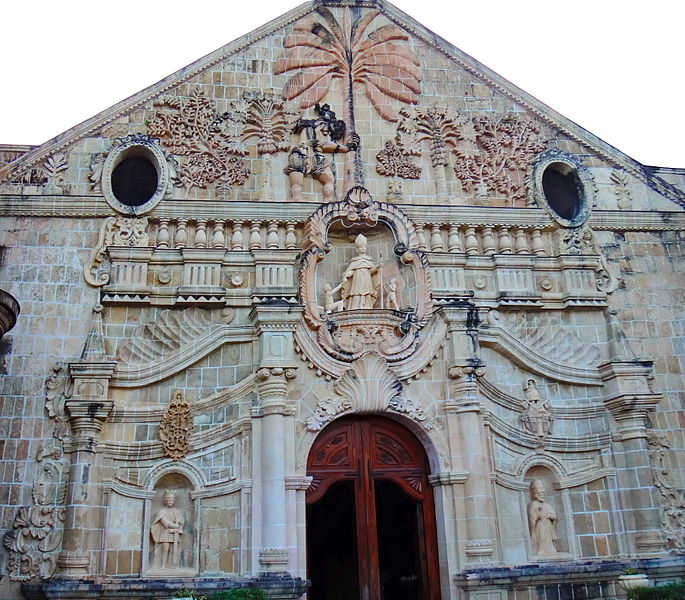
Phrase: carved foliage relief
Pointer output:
(210, 142)
(322, 48)
(36, 535)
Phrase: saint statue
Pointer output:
(541, 519)
(537, 415)
(166, 532)
(318, 137)
(360, 279)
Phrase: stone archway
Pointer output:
(370, 514)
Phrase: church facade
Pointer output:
(338, 311)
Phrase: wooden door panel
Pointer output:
(369, 451)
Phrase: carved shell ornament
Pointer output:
(361, 299)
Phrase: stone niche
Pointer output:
(549, 527)
(171, 536)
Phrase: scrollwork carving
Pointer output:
(671, 498)
(176, 427)
(115, 231)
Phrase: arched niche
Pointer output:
(171, 531)
(547, 516)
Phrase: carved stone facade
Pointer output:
(338, 263)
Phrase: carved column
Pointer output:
(630, 400)
(87, 408)
(466, 430)
(272, 412)
(463, 406)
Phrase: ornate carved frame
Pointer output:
(358, 208)
(586, 183)
(135, 144)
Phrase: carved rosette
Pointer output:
(349, 334)
(176, 427)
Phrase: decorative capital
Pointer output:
(273, 388)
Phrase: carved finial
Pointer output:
(94, 348)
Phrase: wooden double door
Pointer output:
(370, 514)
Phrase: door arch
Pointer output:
(370, 514)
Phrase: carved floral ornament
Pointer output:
(176, 427)
(385, 285)
(490, 155)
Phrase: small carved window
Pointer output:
(134, 180)
(562, 190)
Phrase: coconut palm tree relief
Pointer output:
(321, 49)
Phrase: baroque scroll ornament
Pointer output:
(36, 535)
(211, 142)
(116, 231)
(671, 498)
(176, 427)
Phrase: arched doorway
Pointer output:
(370, 514)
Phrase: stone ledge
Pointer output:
(279, 585)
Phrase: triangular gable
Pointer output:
(534, 107)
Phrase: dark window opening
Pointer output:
(134, 180)
(562, 192)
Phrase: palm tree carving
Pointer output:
(322, 49)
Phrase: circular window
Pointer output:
(564, 188)
(134, 180)
(561, 187)
(135, 175)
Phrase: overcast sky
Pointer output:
(614, 67)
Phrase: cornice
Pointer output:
(297, 212)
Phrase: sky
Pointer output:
(612, 66)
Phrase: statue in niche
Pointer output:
(166, 532)
(541, 520)
(537, 415)
(318, 137)
(361, 279)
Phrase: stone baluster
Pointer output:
(538, 245)
(201, 234)
(163, 233)
(504, 241)
(453, 239)
(218, 237)
(181, 237)
(471, 241)
(272, 235)
(290, 236)
(421, 238)
(237, 239)
(520, 241)
(436, 239)
(488, 241)
(255, 241)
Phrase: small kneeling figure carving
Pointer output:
(541, 519)
(166, 532)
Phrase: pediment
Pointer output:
(430, 118)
